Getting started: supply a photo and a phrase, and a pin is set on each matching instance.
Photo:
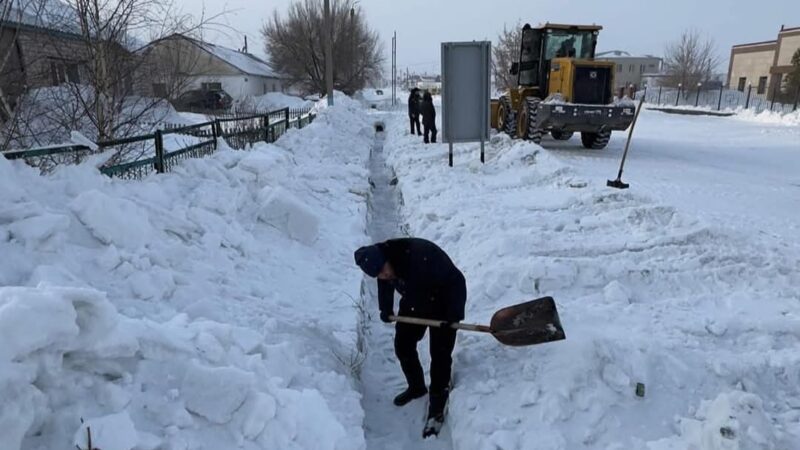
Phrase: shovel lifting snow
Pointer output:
(529, 323)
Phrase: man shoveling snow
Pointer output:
(432, 287)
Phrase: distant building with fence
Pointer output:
(762, 66)
(631, 69)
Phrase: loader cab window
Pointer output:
(572, 44)
(529, 57)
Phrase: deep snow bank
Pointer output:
(707, 321)
(207, 308)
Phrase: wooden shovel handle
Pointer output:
(441, 324)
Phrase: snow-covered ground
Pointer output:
(212, 307)
(727, 171)
(663, 284)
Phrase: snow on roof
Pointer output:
(46, 14)
(245, 62)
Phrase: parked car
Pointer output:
(203, 99)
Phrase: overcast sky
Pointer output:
(636, 26)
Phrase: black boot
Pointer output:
(436, 405)
(410, 394)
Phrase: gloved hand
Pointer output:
(385, 316)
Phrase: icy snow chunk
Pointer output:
(734, 420)
(616, 293)
(246, 339)
(258, 410)
(20, 405)
(112, 220)
(31, 319)
(216, 392)
(38, 229)
(287, 213)
(112, 432)
(268, 161)
(54, 276)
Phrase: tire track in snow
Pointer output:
(387, 427)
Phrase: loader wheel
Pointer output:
(561, 135)
(596, 141)
(506, 117)
(530, 111)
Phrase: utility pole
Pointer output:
(394, 69)
(328, 53)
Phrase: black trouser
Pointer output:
(414, 118)
(443, 340)
(432, 130)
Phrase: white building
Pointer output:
(202, 65)
(631, 69)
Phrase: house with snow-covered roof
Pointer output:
(40, 46)
(179, 63)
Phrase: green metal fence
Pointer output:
(138, 156)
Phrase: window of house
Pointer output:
(762, 85)
(73, 73)
(274, 87)
(742, 81)
(215, 86)
(641, 68)
(265, 88)
(64, 72)
(630, 68)
(619, 67)
(160, 90)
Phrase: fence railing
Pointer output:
(722, 98)
(138, 156)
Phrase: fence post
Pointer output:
(159, 162)
(644, 94)
(719, 101)
(658, 102)
(678, 97)
(796, 98)
(749, 91)
(265, 124)
(286, 117)
(214, 133)
(772, 105)
(697, 97)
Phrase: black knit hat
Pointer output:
(370, 259)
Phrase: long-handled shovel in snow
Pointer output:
(618, 182)
(529, 323)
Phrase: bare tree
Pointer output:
(793, 77)
(95, 71)
(689, 60)
(295, 46)
(504, 52)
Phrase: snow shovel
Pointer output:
(529, 323)
(618, 182)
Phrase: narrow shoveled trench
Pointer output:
(386, 426)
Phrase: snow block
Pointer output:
(288, 214)
(63, 318)
(216, 392)
(36, 230)
(31, 319)
(112, 220)
(734, 420)
(258, 410)
(112, 432)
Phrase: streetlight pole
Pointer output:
(328, 54)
